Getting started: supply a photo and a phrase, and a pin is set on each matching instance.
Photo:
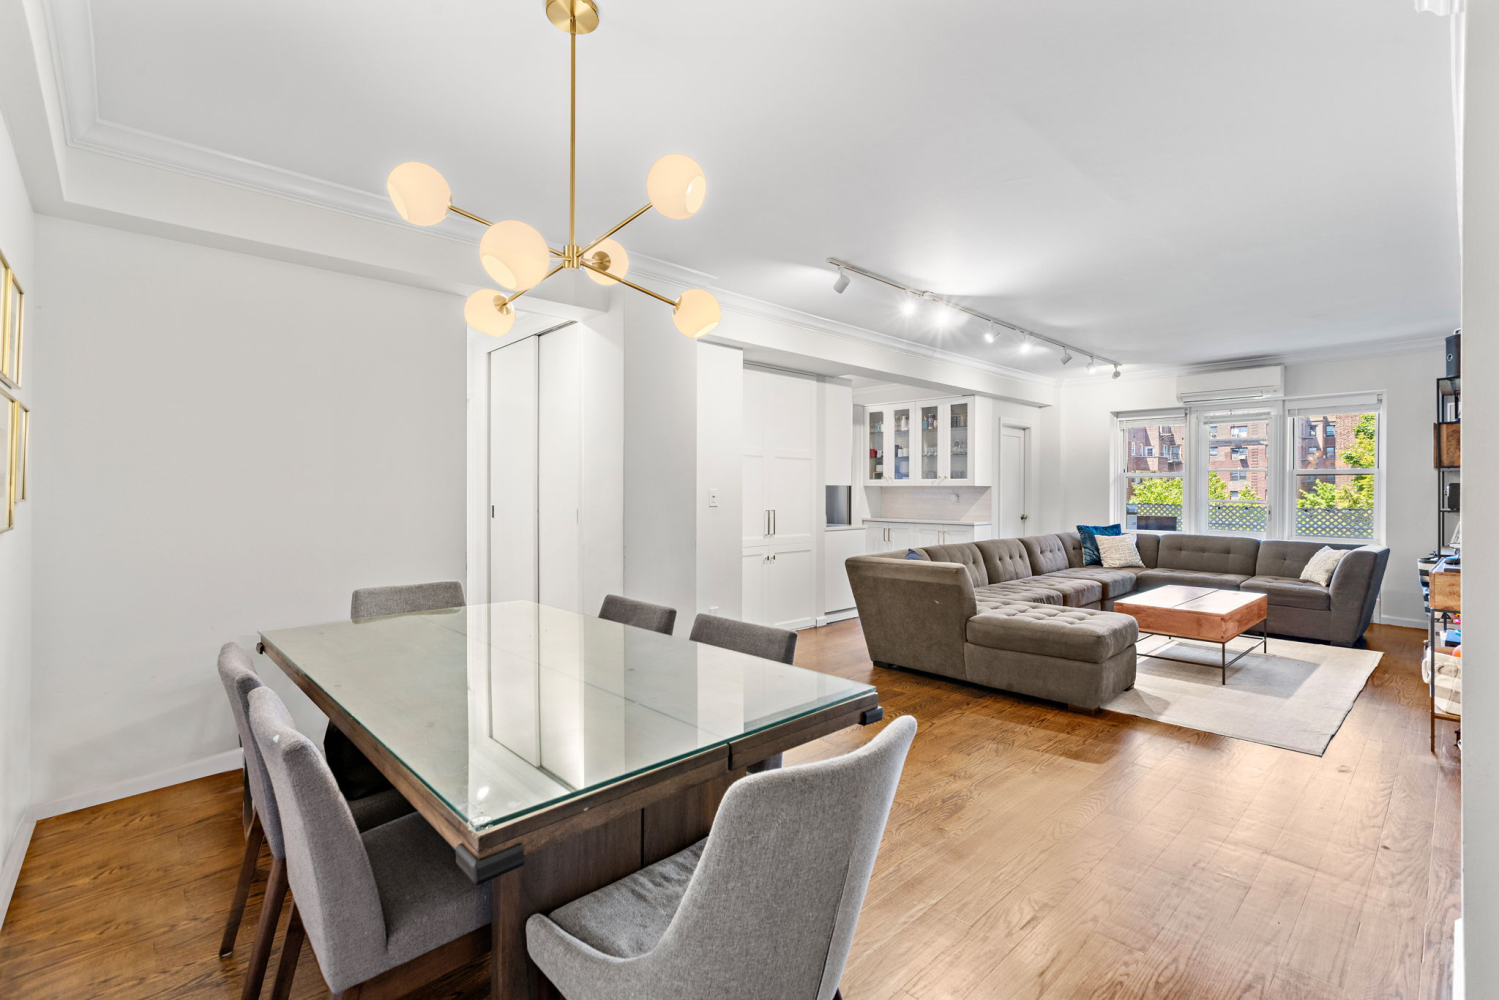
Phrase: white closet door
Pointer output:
(780, 475)
(513, 471)
(559, 483)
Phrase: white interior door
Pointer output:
(780, 520)
(1014, 466)
(559, 497)
(513, 400)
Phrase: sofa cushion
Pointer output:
(1189, 578)
(1068, 633)
(1004, 559)
(1278, 558)
(1149, 545)
(1290, 592)
(1116, 582)
(1087, 536)
(1210, 554)
(996, 594)
(1076, 591)
(1049, 553)
(965, 554)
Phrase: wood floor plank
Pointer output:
(1030, 853)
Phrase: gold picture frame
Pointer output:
(23, 449)
(12, 326)
(8, 410)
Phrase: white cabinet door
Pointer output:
(903, 536)
(927, 534)
(958, 440)
(952, 534)
(876, 462)
(780, 519)
(874, 538)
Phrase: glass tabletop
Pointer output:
(503, 709)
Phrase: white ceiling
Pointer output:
(1167, 182)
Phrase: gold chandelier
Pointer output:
(518, 257)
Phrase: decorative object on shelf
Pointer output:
(12, 325)
(518, 257)
(1024, 339)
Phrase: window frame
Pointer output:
(1334, 406)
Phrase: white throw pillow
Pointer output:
(1320, 569)
(1118, 551)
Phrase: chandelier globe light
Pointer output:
(519, 258)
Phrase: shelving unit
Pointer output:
(1441, 572)
(930, 442)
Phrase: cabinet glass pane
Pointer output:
(929, 454)
(902, 444)
(876, 444)
(958, 442)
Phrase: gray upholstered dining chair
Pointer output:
(356, 776)
(370, 903)
(406, 598)
(745, 637)
(641, 614)
(237, 672)
(764, 907)
(756, 640)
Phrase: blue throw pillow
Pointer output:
(912, 554)
(1085, 533)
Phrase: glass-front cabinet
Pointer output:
(929, 442)
(900, 418)
(876, 424)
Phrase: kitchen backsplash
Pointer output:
(935, 502)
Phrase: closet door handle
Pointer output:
(767, 520)
(774, 521)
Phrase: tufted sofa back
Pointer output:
(1288, 558)
(1005, 559)
(965, 554)
(1050, 553)
(1208, 553)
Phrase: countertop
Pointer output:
(917, 520)
(843, 527)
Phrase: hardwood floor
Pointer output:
(1031, 853)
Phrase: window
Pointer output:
(1213, 452)
(1152, 476)
(1236, 488)
(1341, 499)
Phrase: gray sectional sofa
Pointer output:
(1025, 614)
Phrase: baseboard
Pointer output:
(836, 616)
(229, 760)
(1400, 622)
(10, 869)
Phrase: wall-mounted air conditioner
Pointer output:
(1243, 384)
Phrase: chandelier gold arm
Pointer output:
(617, 228)
(469, 215)
(523, 291)
(627, 281)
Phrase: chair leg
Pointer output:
(254, 838)
(291, 950)
(265, 932)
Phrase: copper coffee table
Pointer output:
(1199, 613)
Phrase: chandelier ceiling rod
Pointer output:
(517, 256)
(924, 294)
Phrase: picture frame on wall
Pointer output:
(23, 448)
(8, 409)
(12, 327)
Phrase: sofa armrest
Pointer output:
(914, 613)
(1353, 590)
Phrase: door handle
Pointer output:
(767, 520)
(774, 519)
(1025, 517)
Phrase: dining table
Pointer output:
(556, 752)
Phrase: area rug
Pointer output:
(1295, 696)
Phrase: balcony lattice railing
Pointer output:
(1313, 522)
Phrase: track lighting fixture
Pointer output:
(1092, 365)
(1116, 372)
(948, 313)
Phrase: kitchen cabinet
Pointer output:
(931, 442)
(888, 536)
(781, 512)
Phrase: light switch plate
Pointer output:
(712, 498)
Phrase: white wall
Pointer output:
(1407, 380)
(720, 468)
(223, 443)
(17, 230)
(1481, 474)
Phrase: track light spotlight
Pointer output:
(1026, 343)
(908, 305)
(1116, 372)
(989, 334)
(1092, 366)
(842, 281)
(1066, 356)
